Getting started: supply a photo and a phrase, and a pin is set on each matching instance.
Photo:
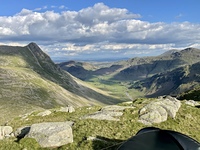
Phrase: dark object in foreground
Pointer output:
(151, 138)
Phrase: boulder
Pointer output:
(5, 131)
(158, 110)
(71, 109)
(44, 113)
(192, 103)
(51, 134)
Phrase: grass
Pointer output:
(114, 87)
(111, 134)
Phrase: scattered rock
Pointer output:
(192, 103)
(5, 131)
(158, 110)
(44, 113)
(69, 109)
(108, 113)
(115, 108)
(51, 134)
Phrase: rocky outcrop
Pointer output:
(192, 103)
(69, 109)
(111, 112)
(158, 110)
(51, 134)
(5, 131)
(44, 113)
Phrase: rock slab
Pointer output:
(51, 134)
(5, 131)
(111, 112)
(158, 110)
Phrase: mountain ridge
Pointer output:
(30, 80)
(143, 70)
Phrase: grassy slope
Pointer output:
(112, 133)
(29, 80)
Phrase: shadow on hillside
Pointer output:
(142, 71)
(40, 63)
(102, 143)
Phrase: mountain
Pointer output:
(174, 83)
(141, 68)
(81, 70)
(152, 76)
(137, 68)
(30, 80)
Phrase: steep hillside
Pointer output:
(81, 70)
(173, 82)
(30, 80)
(141, 68)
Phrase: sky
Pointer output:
(101, 30)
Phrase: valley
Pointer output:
(103, 103)
(171, 73)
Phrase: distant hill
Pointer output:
(138, 68)
(30, 80)
(141, 68)
(168, 73)
(175, 82)
(81, 70)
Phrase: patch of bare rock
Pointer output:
(111, 112)
(192, 103)
(5, 132)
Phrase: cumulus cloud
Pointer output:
(93, 29)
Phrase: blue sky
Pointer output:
(109, 29)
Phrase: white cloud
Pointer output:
(97, 28)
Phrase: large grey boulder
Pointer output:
(158, 110)
(51, 134)
(5, 131)
(111, 112)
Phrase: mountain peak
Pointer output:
(32, 43)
